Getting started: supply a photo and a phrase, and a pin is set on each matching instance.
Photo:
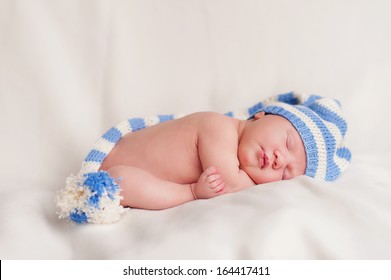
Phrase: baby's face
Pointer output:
(270, 149)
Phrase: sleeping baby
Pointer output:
(166, 160)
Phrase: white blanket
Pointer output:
(71, 69)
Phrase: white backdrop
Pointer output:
(69, 70)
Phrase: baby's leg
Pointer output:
(140, 189)
(210, 184)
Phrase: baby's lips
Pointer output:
(260, 157)
(263, 159)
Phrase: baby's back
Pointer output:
(167, 150)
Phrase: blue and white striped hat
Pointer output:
(322, 128)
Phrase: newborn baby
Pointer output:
(205, 154)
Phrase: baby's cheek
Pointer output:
(246, 158)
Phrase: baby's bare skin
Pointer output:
(202, 155)
(168, 150)
(168, 160)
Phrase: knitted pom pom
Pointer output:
(100, 183)
(90, 198)
(78, 217)
(93, 195)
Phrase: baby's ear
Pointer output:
(259, 115)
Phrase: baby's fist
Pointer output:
(210, 184)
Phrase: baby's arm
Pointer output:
(217, 146)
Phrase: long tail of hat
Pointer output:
(106, 143)
(92, 196)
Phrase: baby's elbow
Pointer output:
(234, 188)
(239, 182)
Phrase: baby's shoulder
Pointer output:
(207, 121)
(210, 118)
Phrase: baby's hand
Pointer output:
(210, 184)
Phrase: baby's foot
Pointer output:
(210, 184)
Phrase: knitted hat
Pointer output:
(321, 126)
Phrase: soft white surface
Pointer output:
(71, 69)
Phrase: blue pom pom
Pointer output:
(78, 216)
(99, 183)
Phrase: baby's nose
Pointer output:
(278, 160)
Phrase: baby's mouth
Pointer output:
(263, 159)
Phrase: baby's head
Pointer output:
(305, 131)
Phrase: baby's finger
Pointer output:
(220, 189)
(213, 178)
(213, 185)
